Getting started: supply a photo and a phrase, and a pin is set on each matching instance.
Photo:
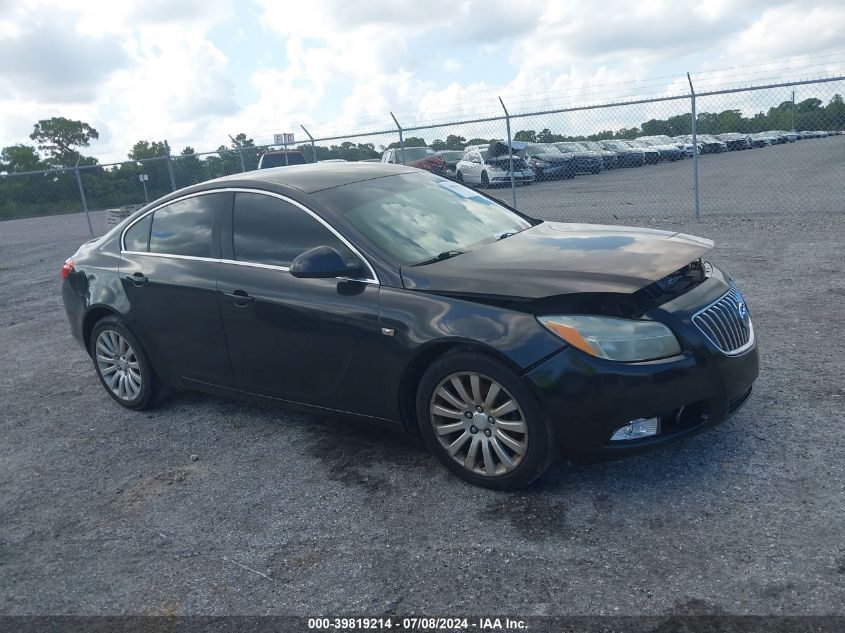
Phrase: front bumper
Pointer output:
(588, 398)
(555, 170)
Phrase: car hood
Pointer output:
(582, 155)
(553, 158)
(553, 258)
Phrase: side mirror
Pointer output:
(323, 262)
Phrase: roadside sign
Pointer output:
(283, 139)
(143, 177)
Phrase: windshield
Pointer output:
(590, 145)
(416, 153)
(616, 144)
(636, 144)
(542, 149)
(415, 217)
(569, 147)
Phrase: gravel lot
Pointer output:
(212, 506)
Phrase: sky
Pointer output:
(195, 71)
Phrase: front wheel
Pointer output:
(460, 177)
(482, 423)
(485, 181)
(121, 364)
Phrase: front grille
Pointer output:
(726, 322)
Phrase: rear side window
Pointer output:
(185, 227)
(270, 231)
(137, 238)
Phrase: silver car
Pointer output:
(487, 166)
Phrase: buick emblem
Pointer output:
(742, 309)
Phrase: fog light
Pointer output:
(637, 429)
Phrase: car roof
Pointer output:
(314, 176)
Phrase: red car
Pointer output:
(419, 157)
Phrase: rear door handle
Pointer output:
(139, 279)
(241, 297)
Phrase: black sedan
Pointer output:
(398, 296)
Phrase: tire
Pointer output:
(459, 176)
(485, 181)
(527, 442)
(113, 345)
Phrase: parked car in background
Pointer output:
(735, 141)
(790, 136)
(684, 142)
(419, 157)
(652, 154)
(626, 156)
(548, 161)
(769, 138)
(586, 161)
(490, 165)
(667, 148)
(451, 157)
(281, 158)
(608, 158)
(708, 144)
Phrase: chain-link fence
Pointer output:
(760, 149)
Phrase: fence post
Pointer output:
(170, 167)
(510, 152)
(694, 153)
(82, 195)
(401, 139)
(793, 111)
(310, 138)
(240, 152)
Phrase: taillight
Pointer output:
(68, 266)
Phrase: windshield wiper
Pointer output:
(440, 257)
(506, 234)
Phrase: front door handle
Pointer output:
(139, 279)
(241, 297)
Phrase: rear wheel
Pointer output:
(482, 423)
(121, 364)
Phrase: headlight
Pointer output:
(615, 339)
(540, 163)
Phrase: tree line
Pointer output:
(42, 178)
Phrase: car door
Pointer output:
(168, 271)
(301, 340)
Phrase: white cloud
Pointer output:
(159, 69)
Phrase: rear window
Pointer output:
(185, 227)
(418, 153)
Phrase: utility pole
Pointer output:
(793, 110)
(694, 153)
(310, 138)
(240, 152)
(401, 139)
(510, 152)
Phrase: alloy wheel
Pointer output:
(118, 365)
(479, 424)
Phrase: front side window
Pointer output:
(267, 230)
(185, 227)
(414, 217)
